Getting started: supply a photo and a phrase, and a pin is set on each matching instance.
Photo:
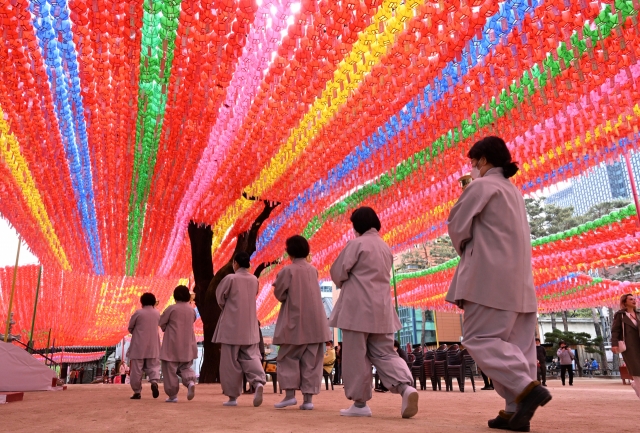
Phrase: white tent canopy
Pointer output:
(20, 371)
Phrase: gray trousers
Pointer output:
(236, 361)
(170, 372)
(503, 345)
(300, 367)
(151, 366)
(359, 351)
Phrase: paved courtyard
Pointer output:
(591, 405)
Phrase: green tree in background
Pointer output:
(545, 220)
(575, 339)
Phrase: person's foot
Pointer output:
(409, 402)
(381, 390)
(486, 388)
(136, 396)
(154, 390)
(230, 402)
(306, 406)
(528, 401)
(191, 391)
(544, 384)
(501, 422)
(171, 400)
(571, 384)
(356, 411)
(257, 398)
(286, 403)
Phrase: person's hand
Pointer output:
(614, 349)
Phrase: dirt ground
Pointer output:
(591, 405)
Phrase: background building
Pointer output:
(607, 182)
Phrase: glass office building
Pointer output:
(607, 182)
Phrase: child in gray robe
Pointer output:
(179, 347)
(238, 332)
(144, 349)
(302, 328)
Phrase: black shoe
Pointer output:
(381, 390)
(501, 422)
(544, 384)
(154, 390)
(528, 401)
(487, 388)
(136, 396)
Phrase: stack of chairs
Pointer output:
(417, 372)
(429, 370)
(460, 366)
(440, 368)
(470, 368)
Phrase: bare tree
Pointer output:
(565, 321)
(598, 325)
(207, 281)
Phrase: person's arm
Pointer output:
(343, 264)
(559, 353)
(281, 285)
(132, 322)
(164, 319)
(222, 292)
(460, 222)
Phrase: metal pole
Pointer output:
(46, 350)
(35, 307)
(13, 290)
(633, 186)
(395, 295)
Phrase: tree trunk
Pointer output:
(565, 321)
(423, 336)
(553, 321)
(202, 265)
(598, 325)
(207, 283)
(578, 363)
(616, 358)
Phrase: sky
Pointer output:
(9, 247)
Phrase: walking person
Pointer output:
(179, 347)
(625, 337)
(338, 365)
(123, 372)
(493, 283)
(368, 319)
(541, 357)
(301, 329)
(144, 349)
(565, 358)
(488, 383)
(238, 333)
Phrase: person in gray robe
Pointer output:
(302, 328)
(494, 284)
(238, 333)
(368, 319)
(179, 347)
(144, 349)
